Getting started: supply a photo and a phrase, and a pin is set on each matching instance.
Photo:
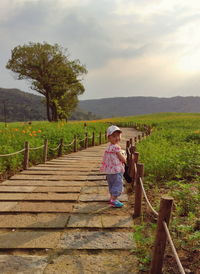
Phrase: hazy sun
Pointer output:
(190, 63)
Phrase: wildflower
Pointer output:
(30, 134)
(34, 131)
(23, 131)
(16, 129)
(39, 130)
(35, 134)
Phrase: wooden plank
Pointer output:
(42, 183)
(28, 220)
(28, 206)
(39, 196)
(69, 177)
(29, 239)
(39, 189)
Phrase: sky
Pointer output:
(129, 47)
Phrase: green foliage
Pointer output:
(14, 136)
(52, 74)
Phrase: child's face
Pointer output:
(115, 137)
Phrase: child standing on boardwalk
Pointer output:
(113, 165)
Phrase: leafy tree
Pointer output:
(52, 74)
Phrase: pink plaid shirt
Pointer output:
(111, 163)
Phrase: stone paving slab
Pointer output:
(16, 188)
(29, 239)
(95, 240)
(93, 263)
(99, 207)
(39, 196)
(84, 220)
(99, 197)
(39, 207)
(25, 264)
(42, 183)
(41, 220)
(117, 221)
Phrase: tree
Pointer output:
(52, 74)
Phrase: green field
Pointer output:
(13, 137)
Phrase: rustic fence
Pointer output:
(136, 171)
(76, 144)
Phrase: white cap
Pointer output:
(112, 129)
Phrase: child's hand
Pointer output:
(121, 157)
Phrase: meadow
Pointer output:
(14, 135)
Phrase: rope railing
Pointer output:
(136, 170)
(35, 148)
(67, 145)
(181, 269)
(146, 198)
(13, 153)
(59, 148)
(55, 147)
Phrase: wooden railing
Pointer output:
(76, 144)
(136, 171)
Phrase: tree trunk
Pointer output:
(54, 112)
(48, 107)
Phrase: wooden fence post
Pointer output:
(132, 150)
(139, 138)
(60, 148)
(135, 140)
(93, 139)
(131, 141)
(86, 140)
(161, 237)
(100, 137)
(138, 190)
(75, 143)
(26, 155)
(105, 136)
(45, 151)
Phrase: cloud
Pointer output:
(128, 46)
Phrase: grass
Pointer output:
(13, 137)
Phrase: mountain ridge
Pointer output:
(21, 106)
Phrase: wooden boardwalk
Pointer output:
(55, 218)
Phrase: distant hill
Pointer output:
(23, 106)
(127, 106)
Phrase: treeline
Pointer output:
(22, 106)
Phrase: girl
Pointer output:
(113, 165)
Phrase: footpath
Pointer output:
(55, 218)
